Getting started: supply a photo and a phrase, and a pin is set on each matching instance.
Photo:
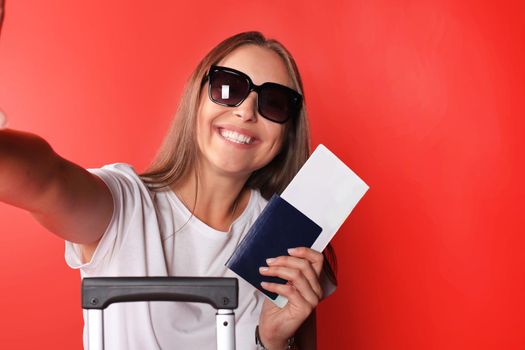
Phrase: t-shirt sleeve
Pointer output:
(128, 192)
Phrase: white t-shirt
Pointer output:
(142, 239)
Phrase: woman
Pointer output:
(239, 136)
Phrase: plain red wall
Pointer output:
(423, 99)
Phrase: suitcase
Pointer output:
(220, 292)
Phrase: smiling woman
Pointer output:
(221, 129)
(239, 136)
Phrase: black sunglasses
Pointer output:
(275, 102)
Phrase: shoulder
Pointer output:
(119, 174)
(124, 183)
(120, 170)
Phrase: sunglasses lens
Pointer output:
(228, 88)
(278, 103)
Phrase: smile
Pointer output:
(236, 137)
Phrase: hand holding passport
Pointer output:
(307, 214)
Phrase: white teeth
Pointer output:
(235, 137)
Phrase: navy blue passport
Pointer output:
(280, 226)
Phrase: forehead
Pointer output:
(260, 64)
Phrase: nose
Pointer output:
(247, 110)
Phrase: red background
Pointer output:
(423, 99)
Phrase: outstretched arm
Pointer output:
(65, 198)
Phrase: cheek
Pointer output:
(278, 139)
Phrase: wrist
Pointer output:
(288, 344)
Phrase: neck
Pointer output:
(215, 200)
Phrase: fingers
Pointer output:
(296, 279)
(302, 271)
(287, 266)
(314, 257)
(295, 298)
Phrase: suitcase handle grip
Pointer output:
(219, 292)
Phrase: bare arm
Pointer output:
(65, 198)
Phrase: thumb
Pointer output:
(3, 120)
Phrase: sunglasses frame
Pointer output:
(298, 98)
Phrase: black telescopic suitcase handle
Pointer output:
(219, 292)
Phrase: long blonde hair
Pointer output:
(178, 152)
